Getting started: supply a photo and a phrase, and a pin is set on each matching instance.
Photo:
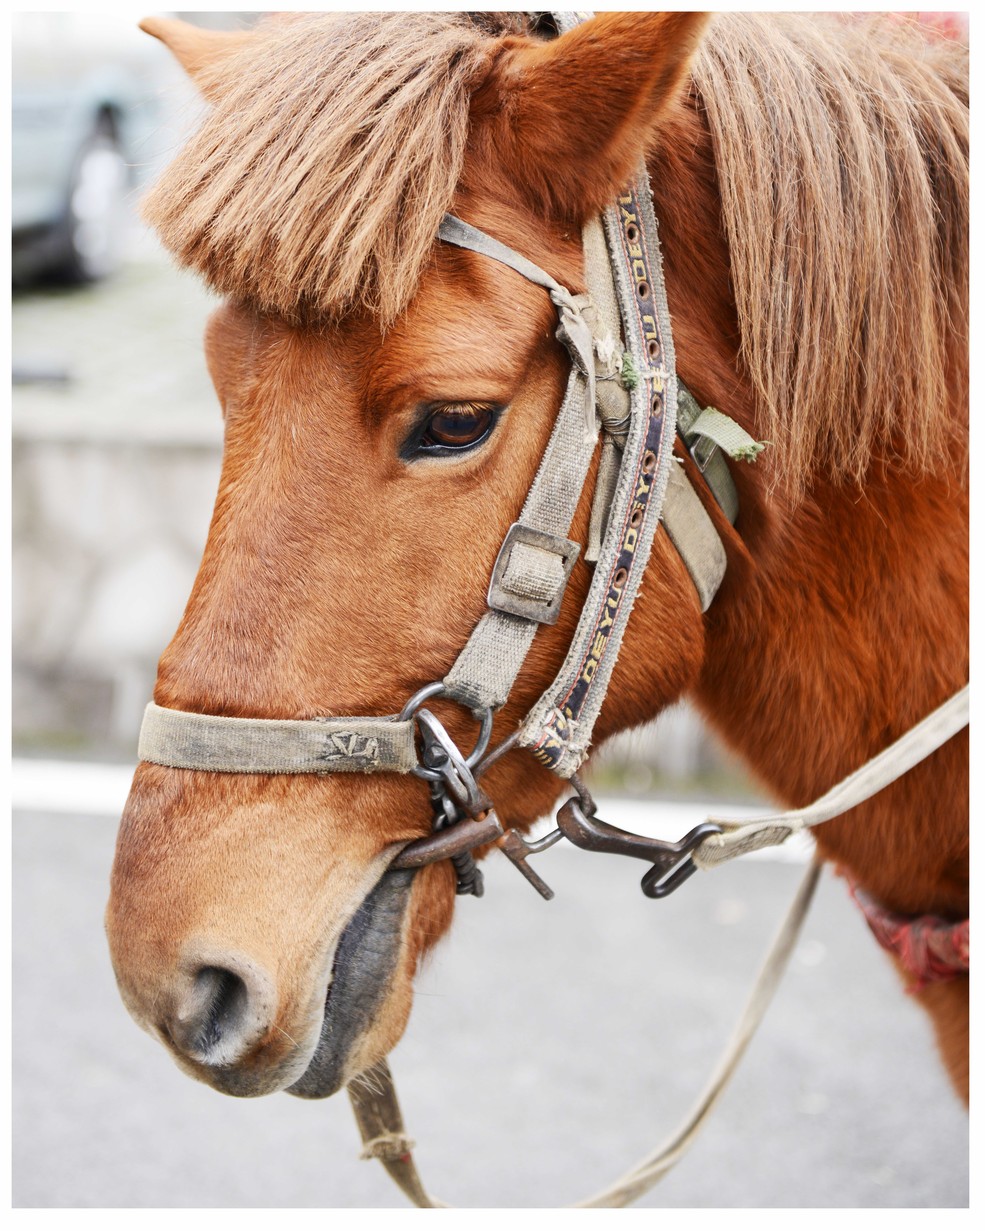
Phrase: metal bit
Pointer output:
(516, 848)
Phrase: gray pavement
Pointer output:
(551, 1045)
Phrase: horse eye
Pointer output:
(459, 427)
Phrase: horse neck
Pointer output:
(842, 620)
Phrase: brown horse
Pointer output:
(387, 399)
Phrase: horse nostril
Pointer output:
(220, 1013)
(223, 1003)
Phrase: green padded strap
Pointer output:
(707, 456)
(726, 433)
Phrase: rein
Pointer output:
(622, 385)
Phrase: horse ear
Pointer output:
(199, 52)
(581, 110)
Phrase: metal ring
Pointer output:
(437, 689)
(588, 804)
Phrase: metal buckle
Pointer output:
(500, 598)
(702, 457)
(444, 766)
(441, 757)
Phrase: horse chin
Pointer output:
(365, 1013)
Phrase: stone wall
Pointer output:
(117, 437)
(107, 539)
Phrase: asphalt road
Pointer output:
(551, 1046)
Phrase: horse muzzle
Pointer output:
(221, 1017)
(277, 1003)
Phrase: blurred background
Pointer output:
(116, 450)
(116, 435)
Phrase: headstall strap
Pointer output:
(559, 728)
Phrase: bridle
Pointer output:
(622, 379)
(527, 584)
(622, 384)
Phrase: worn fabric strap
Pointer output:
(574, 330)
(683, 515)
(727, 434)
(381, 1124)
(605, 489)
(612, 394)
(558, 729)
(485, 671)
(694, 536)
(454, 231)
(276, 746)
(742, 836)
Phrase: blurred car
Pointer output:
(83, 110)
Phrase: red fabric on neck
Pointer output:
(930, 949)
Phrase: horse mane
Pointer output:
(317, 183)
(841, 149)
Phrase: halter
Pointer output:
(623, 380)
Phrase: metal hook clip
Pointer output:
(672, 862)
(442, 762)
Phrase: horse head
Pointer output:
(387, 400)
(389, 393)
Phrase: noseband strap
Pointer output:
(276, 746)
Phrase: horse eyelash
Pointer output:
(412, 446)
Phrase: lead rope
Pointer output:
(739, 837)
(377, 1110)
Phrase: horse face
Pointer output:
(369, 477)
(345, 567)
